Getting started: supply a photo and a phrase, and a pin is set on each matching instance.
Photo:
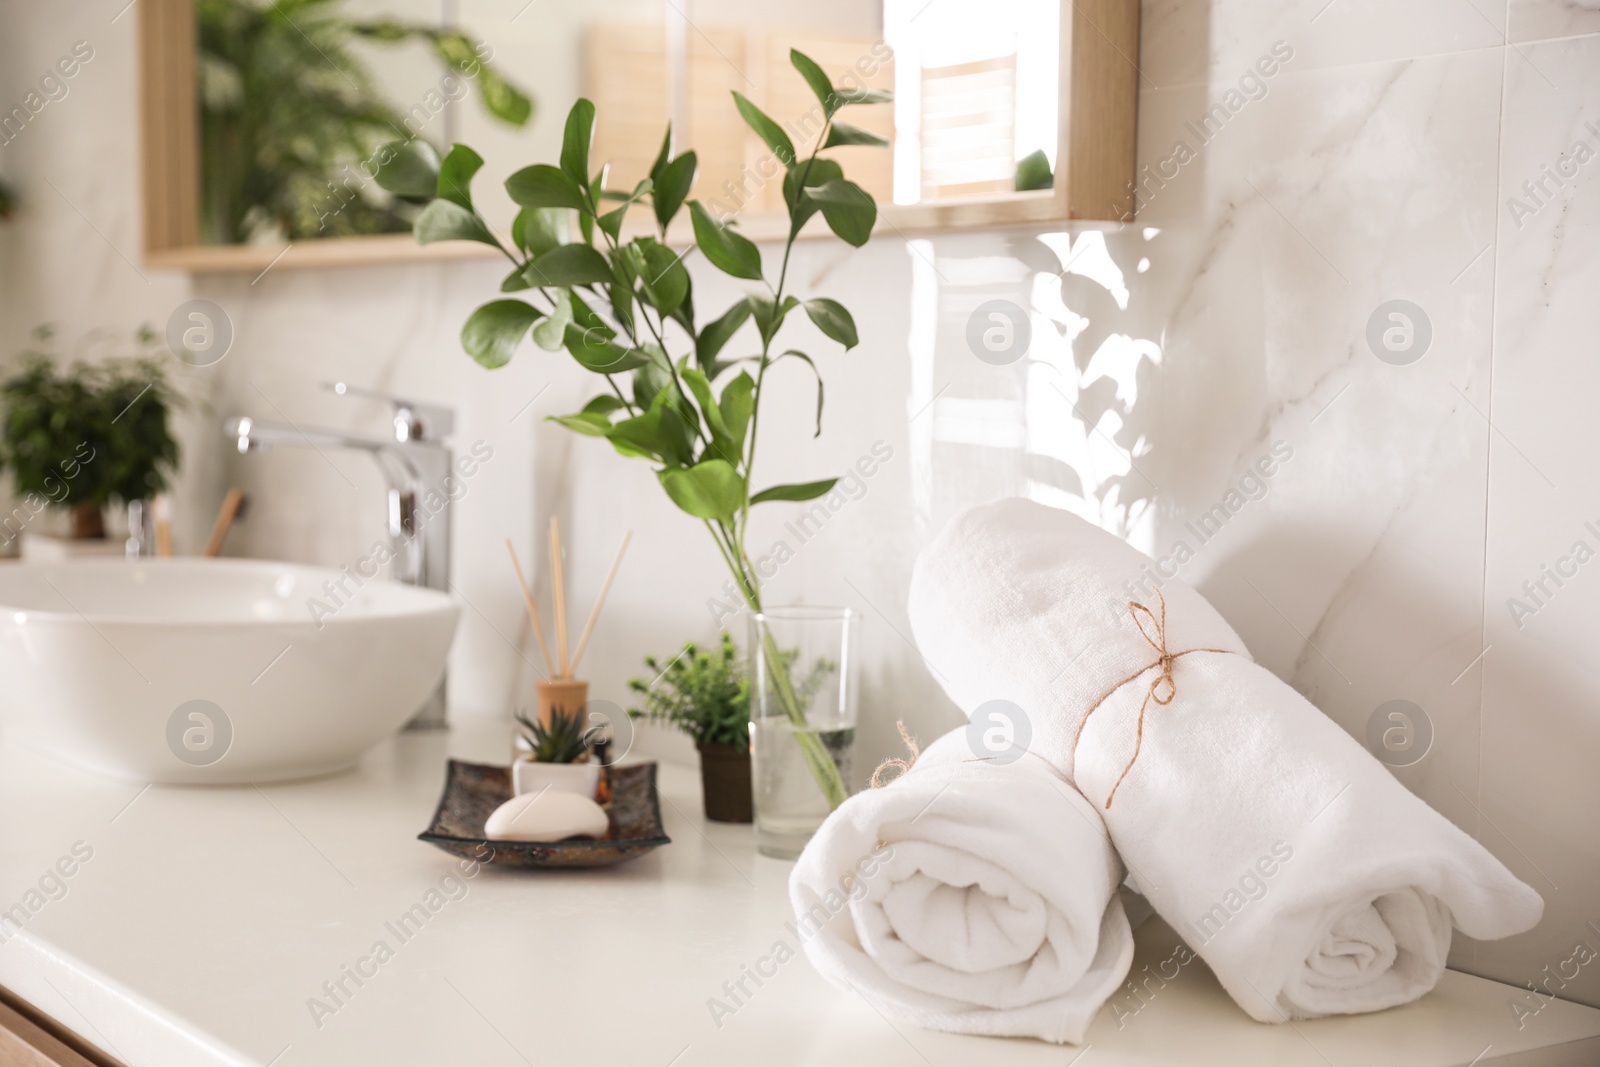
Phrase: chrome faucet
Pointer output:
(415, 463)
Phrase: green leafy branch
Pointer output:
(620, 306)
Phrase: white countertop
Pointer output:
(206, 919)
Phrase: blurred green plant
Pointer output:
(1033, 172)
(91, 433)
(609, 302)
(287, 109)
(8, 201)
(565, 740)
(704, 694)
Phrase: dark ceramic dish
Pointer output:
(473, 790)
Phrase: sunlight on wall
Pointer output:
(1055, 423)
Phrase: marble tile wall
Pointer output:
(1309, 164)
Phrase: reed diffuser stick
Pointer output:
(559, 594)
(231, 506)
(588, 627)
(533, 612)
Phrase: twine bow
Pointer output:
(1163, 689)
(895, 761)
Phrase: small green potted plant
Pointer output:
(85, 435)
(707, 696)
(558, 756)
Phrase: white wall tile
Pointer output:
(1537, 20)
(1541, 720)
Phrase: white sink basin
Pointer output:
(197, 671)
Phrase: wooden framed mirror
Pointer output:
(1015, 112)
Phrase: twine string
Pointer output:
(895, 761)
(1163, 688)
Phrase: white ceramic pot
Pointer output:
(531, 776)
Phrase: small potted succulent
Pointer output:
(707, 696)
(559, 757)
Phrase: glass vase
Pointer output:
(803, 668)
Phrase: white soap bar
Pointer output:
(546, 816)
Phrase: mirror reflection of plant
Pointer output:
(92, 432)
(612, 304)
(286, 105)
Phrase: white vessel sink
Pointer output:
(197, 671)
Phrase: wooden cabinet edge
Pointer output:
(30, 1039)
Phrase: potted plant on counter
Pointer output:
(559, 757)
(707, 696)
(83, 436)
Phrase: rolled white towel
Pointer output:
(1309, 879)
(968, 896)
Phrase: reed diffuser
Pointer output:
(561, 694)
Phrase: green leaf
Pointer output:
(499, 97)
(663, 276)
(738, 405)
(672, 181)
(841, 134)
(650, 379)
(542, 185)
(602, 357)
(814, 373)
(660, 432)
(446, 220)
(539, 229)
(1033, 172)
(620, 292)
(492, 333)
(833, 320)
(603, 404)
(683, 314)
(590, 424)
(662, 156)
(817, 172)
(721, 440)
(597, 192)
(802, 491)
(568, 265)
(730, 252)
(717, 334)
(611, 221)
(502, 99)
(589, 340)
(551, 333)
(849, 209)
(766, 129)
(819, 82)
(768, 315)
(515, 282)
(410, 169)
(864, 96)
(711, 489)
(455, 175)
(575, 141)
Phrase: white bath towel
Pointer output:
(968, 896)
(1308, 878)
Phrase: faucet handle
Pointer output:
(414, 420)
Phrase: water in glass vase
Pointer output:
(789, 804)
